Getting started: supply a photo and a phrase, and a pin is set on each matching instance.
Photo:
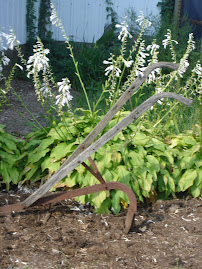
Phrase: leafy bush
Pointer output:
(11, 158)
(150, 165)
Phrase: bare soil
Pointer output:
(165, 234)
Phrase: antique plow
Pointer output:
(88, 147)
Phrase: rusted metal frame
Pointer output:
(96, 175)
(95, 168)
(54, 198)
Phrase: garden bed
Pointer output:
(166, 234)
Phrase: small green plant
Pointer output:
(11, 158)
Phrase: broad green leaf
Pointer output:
(32, 143)
(14, 174)
(45, 143)
(154, 162)
(196, 190)
(198, 179)
(98, 198)
(11, 159)
(140, 139)
(124, 174)
(187, 162)
(80, 169)
(33, 158)
(152, 171)
(157, 144)
(189, 140)
(11, 145)
(62, 150)
(135, 158)
(4, 171)
(116, 207)
(104, 207)
(187, 179)
(116, 158)
(146, 183)
(161, 184)
(72, 180)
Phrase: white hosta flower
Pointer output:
(45, 90)
(54, 17)
(11, 39)
(124, 33)
(168, 39)
(38, 62)
(128, 63)
(191, 42)
(183, 67)
(152, 48)
(111, 68)
(64, 97)
(197, 69)
(141, 20)
(5, 60)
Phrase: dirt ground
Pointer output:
(165, 235)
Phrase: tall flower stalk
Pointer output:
(57, 22)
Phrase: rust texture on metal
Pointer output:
(87, 148)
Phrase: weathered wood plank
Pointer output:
(67, 168)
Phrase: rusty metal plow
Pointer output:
(87, 148)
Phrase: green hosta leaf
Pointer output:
(140, 139)
(32, 143)
(196, 190)
(198, 179)
(152, 171)
(187, 162)
(10, 144)
(135, 158)
(161, 184)
(72, 180)
(124, 174)
(141, 151)
(116, 158)
(62, 150)
(98, 198)
(157, 144)
(189, 140)
(104, 207)
(44, 144)
(116, 207)
(80, 169)
(51, 164)
(35, 157)
(14, 174)
(168, 181)
(109, 176)
(146, 182)
(119, 137)
(187, 180)
(153, 161)
(4, 168)
(4, 156)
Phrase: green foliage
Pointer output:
(44, 23)
(148, 164)
(11, 158)
(31, 21)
